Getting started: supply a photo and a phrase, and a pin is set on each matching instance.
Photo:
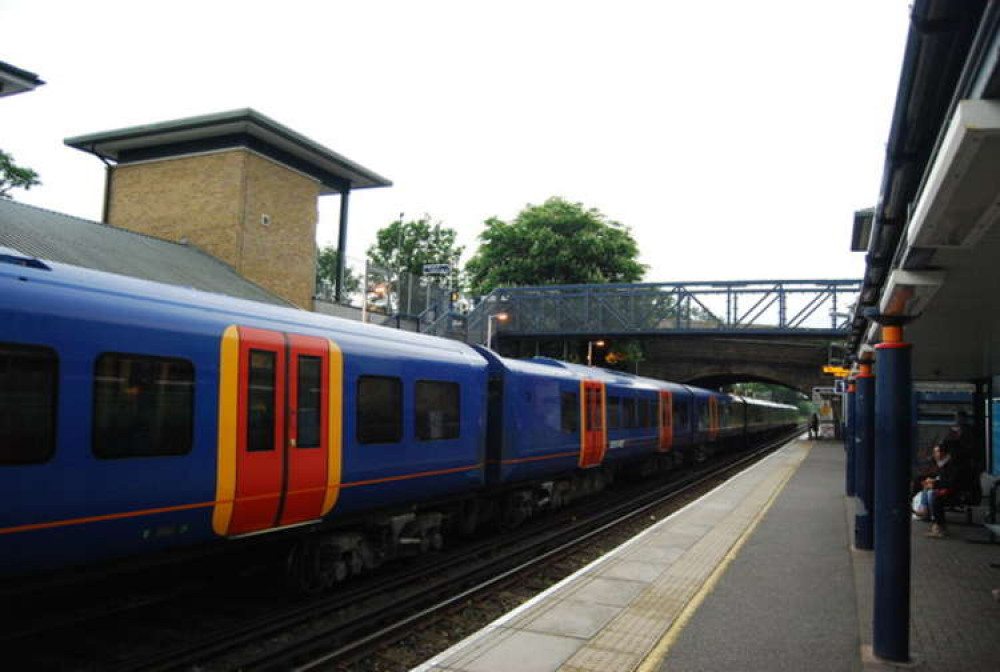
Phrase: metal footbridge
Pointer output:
(816, 308)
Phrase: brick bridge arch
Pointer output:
(714, 361)
(711, 361)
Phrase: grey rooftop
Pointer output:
(235, 128)
(15, 80)
(71, 240)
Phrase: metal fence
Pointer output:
(388, 292)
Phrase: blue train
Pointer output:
(140, 420)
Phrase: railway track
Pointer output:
(336, 631)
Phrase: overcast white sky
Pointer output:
(735, 139)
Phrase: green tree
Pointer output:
(13, 176)
(407, 246)
(326, 272)
(556, 243)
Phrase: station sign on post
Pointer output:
(437, 269)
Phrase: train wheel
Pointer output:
(311, 566)
(469, 517)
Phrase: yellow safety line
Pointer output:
(654, 660)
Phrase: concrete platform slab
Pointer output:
(516, 650)
(573, 618)
(632, 570)
(612, 592)
(659, 573)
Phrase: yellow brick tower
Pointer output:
(236, 185)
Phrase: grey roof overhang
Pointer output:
(941, 36)
(235, 128)
(15, 80)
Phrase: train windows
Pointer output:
(261, 401)
(438, 414)
(143, 406)
(614, 412)
(28, 376)
(628, 410)
(310, 399)
(380, 409)
(645, 413)
(682, 409)
(570, 412)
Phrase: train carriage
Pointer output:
(140, 419)
(163, 417)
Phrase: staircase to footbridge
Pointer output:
(704, 333)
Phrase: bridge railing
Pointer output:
(737, 307)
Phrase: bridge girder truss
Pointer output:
(761, 308)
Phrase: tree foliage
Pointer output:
(408, 245)
(13, 176)
(326, 271)
(556, 243)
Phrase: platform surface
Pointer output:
(759, 574)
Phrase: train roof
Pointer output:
(614, 377)
(224, 308)
(596, 373)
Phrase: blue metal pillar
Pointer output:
(864, 458)
(893, 448)
(849, 436)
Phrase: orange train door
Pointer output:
(282, 431)
(666, 421)
(260, 452)
(593, 439)
(306, 453)
(713, 418)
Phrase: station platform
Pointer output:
(758, 574)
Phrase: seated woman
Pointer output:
(943, 487)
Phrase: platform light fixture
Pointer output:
(960, 200)
(499, 317)
(590, 350)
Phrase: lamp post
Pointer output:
(590, 350)
(501, 317)
(364, 296)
